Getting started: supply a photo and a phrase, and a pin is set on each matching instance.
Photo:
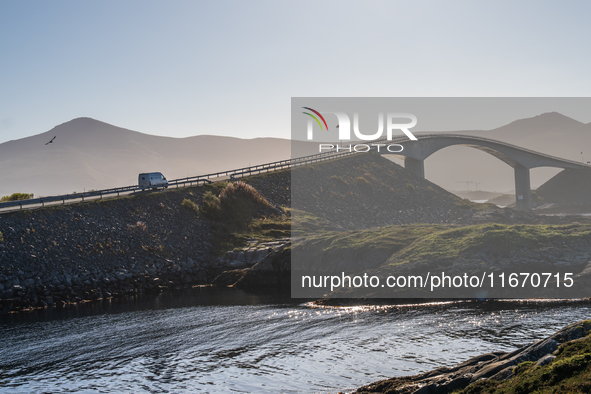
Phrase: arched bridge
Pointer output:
(521, 159)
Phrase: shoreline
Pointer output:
(492, 370)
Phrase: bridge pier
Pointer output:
(522, 188)
(415, 166)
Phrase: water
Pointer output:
(228, 341)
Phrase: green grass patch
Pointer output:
(388, 238)
(16, 197)
(451, 243)
(306, 223)
(570, 372)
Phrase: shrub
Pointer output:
(190, 205)
(361, 181)
(240, 202)
(338, 180)
(237, 190)
(211, 205)
(16, 197)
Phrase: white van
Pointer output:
(153, 180)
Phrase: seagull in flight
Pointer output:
(50, 141)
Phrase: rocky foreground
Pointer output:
(549, 365)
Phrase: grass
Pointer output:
(1, 237)
(306, 223)
(419, 243)
(339, 181)
(364, 183)
(569, 372)
(379, 243)
(392, 238)
(451, 243)
(263, 229)
(190, 206)
(16, 197)
(211, 205)
(240, 212)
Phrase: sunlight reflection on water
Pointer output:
(234, 342)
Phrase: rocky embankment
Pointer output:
(260, 266)
(493, 367)
(68, 254)
(62, 255)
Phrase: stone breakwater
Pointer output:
(66, 255)
(21, 291)
(99, 249)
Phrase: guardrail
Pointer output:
(196, 180)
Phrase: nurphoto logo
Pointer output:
(344, 128)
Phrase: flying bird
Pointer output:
(50, 141)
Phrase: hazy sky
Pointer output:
(181, 68)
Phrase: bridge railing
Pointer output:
(484, 139)
(196, 180)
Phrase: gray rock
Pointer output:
(547, 359)
(493, 366)
(28, 282)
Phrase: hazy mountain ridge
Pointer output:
(90, 154)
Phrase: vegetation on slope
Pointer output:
(16, 197)
(451, 243)
(239, 212)
(569, 372)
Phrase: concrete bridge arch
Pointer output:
(521, 159)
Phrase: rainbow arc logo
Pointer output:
(315, 118)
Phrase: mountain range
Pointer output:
(89, 154)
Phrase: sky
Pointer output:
(183, 68)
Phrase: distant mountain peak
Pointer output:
(83, 121)
(546, 120)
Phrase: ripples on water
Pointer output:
(224, 341)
